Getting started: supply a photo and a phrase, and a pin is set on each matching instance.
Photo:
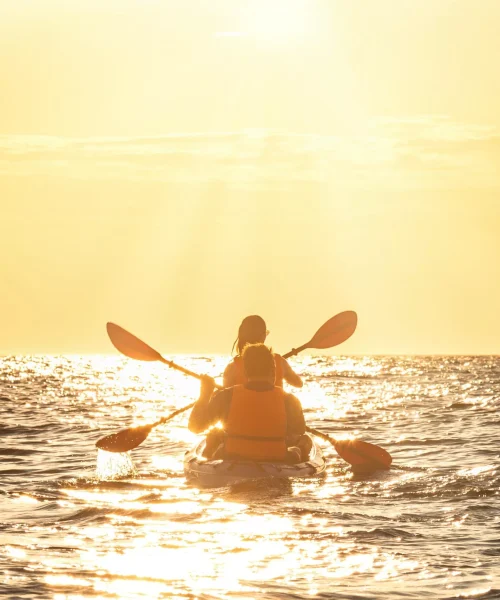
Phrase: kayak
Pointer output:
(219, 473)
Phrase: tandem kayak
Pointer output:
(219, 473)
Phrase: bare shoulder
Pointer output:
(229, 368)
(285, 363)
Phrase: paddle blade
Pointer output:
(129, 345)
(335, 331)
(362, 455)
(126, 439)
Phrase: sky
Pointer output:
(174, 165)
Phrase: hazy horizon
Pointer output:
(173, 172)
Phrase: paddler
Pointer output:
(253, 330)
(259, 420)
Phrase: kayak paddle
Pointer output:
(131, 437)
(360, 455)
(335, 331)
(131, 346)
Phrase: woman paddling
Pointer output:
(253, 330)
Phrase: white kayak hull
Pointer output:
(219, 473)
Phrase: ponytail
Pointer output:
(251, 331)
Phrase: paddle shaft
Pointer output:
(295, 351)
(184, 408)
(179, 411)
(177, 367)
(321, 435)
(198, 376)
(333, 332)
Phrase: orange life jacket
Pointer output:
(256, 424)
(239, 371)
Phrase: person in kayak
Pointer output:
(260, 421)
(253, 330)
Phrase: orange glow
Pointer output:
(287, 158)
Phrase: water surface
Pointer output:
(77, 524)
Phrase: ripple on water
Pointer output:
(77, 524)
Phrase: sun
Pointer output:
(277, 21)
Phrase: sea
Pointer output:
(77, 523)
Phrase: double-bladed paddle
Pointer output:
(335, 331)
(332, 333)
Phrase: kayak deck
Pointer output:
(219, 473)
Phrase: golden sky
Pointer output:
(174, 165)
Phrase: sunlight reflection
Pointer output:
(301, 487)
(181, 434)
(60, 580)
(170, 502)
(185, 508)
(26, 499)
(475, 592)
(155, 537)
(354, 563)
(103, 531)
(393, 567)
(150, 590)
(167, 463)
(222, 551)
(458, 523)
(75, 541)
(404, 478)
(102, 497)
(229, 507)
(157, 483)
(15, 552)
(329, 491)
(476, 471)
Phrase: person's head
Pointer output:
(258, 362)
(252, 330)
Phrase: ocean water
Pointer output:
(78, 524)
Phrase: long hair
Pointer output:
(252, 330)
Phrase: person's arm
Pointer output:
(201, 417)
(290, 376)
(228, 378)
(296, 424)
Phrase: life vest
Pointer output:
(239, 371)
(256, 424)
